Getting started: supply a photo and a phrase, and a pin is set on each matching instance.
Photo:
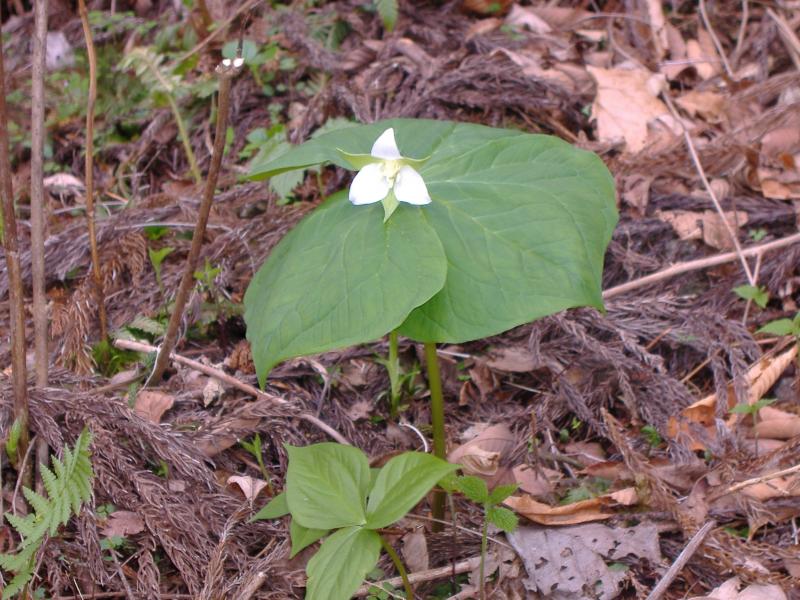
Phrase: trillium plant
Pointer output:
(480, 230)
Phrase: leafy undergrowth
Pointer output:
(624, 431)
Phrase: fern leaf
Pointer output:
(67, 483)
(147, 325)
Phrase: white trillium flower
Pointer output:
(389, 178)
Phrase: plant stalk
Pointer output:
(8, 231)
(394, 374)
(89, 167)
(484, 544)
(184, 135)
(437, 421)
(226, 73)
(401, 570)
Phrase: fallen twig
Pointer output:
(761, 479)
(680, 562)
(696, 265)
(239, 385)
(431, 574)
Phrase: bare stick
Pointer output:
(788, 35)
(431, 574)
(761, 479)
(715, 40)
(696, 265)
(680, 562)
(8, 221)
(89, 167)
(701, 172)
(226, 71)
(38, 213)
(240, 385)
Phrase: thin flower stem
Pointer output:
(394, 374)
(484, 544)
(437, 421)
(401, 570)
(184, 135)
(89, 168)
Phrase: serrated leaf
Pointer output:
(757, 294)
(274, 509)
(368, 278)
(502, 518)
(501, 492)
(779, 327)
(303, 537)
(401, 484)
(326, 485)
(147, 325)
(341, 563)
(38, 503)
(473, 488)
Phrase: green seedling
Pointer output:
(757, 294)
(652, 436)
(387, 9)
(254, 448)
(12, 442)
(331, 492)
(475, 489)
(157, 257)
(752, 410)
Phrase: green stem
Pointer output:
(484, 544)
(187, 146)
(394, 374)
(437, 421)
(399, 566)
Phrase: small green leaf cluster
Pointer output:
(757, 294)
(516, 230)
(387, 9)
(331, 491)
(67, 485)
(783, 327)
(751, 409)
(475, 489)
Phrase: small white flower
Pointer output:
(390, 172)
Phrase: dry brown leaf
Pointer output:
(482, 454)
(536, 482)
(213, 390)
(626, 103)
(706, 104)
(779, 487)
(122, 523)
(515, 359)
(702, 55)
(360, 410)
(777, 424)
(636, 191)
(251, 487)
(525, 17)
(730, 591)
(564, 562)
(151, 405)
(224, 435)
(594, 509)
(708, 226)
(780, 183)
(655, 13)
(415, 551)
(586, 452)
(531, 66)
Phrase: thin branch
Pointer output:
(715, 40)
(680, 562)
(8, 231)
(761, 479)
(701, 172)
(89, 167)
(240, 385)
(226, 72)
(696, 265)
(430, 575)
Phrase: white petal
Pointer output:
(385, 147)
(410, 187)
(370, 185)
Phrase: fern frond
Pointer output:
(67, 485)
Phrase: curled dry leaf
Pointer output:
(776, 423)
(708, 226)
(626, 103)
(730, 591)
(536, 482)
(482, 455)
(151, 405)
(249, 486)
(594, 509)
(708, 105)
(415, 551)
(515, 359)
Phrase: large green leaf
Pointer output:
(303, 537)
(524, 222)
(401, 483)
(327, 485)
(523, 219)
(342, 562)
(341, 278)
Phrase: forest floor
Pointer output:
(629, 432)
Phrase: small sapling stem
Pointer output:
(437, 421)
(484, 544)
(401, 570)
(393, 367)
(226, 71)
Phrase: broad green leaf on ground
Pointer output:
(341, 563)
(401, 483)
(303, 537)
(274, 509)
(524, 222)
(341, 278)
(327, 485)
